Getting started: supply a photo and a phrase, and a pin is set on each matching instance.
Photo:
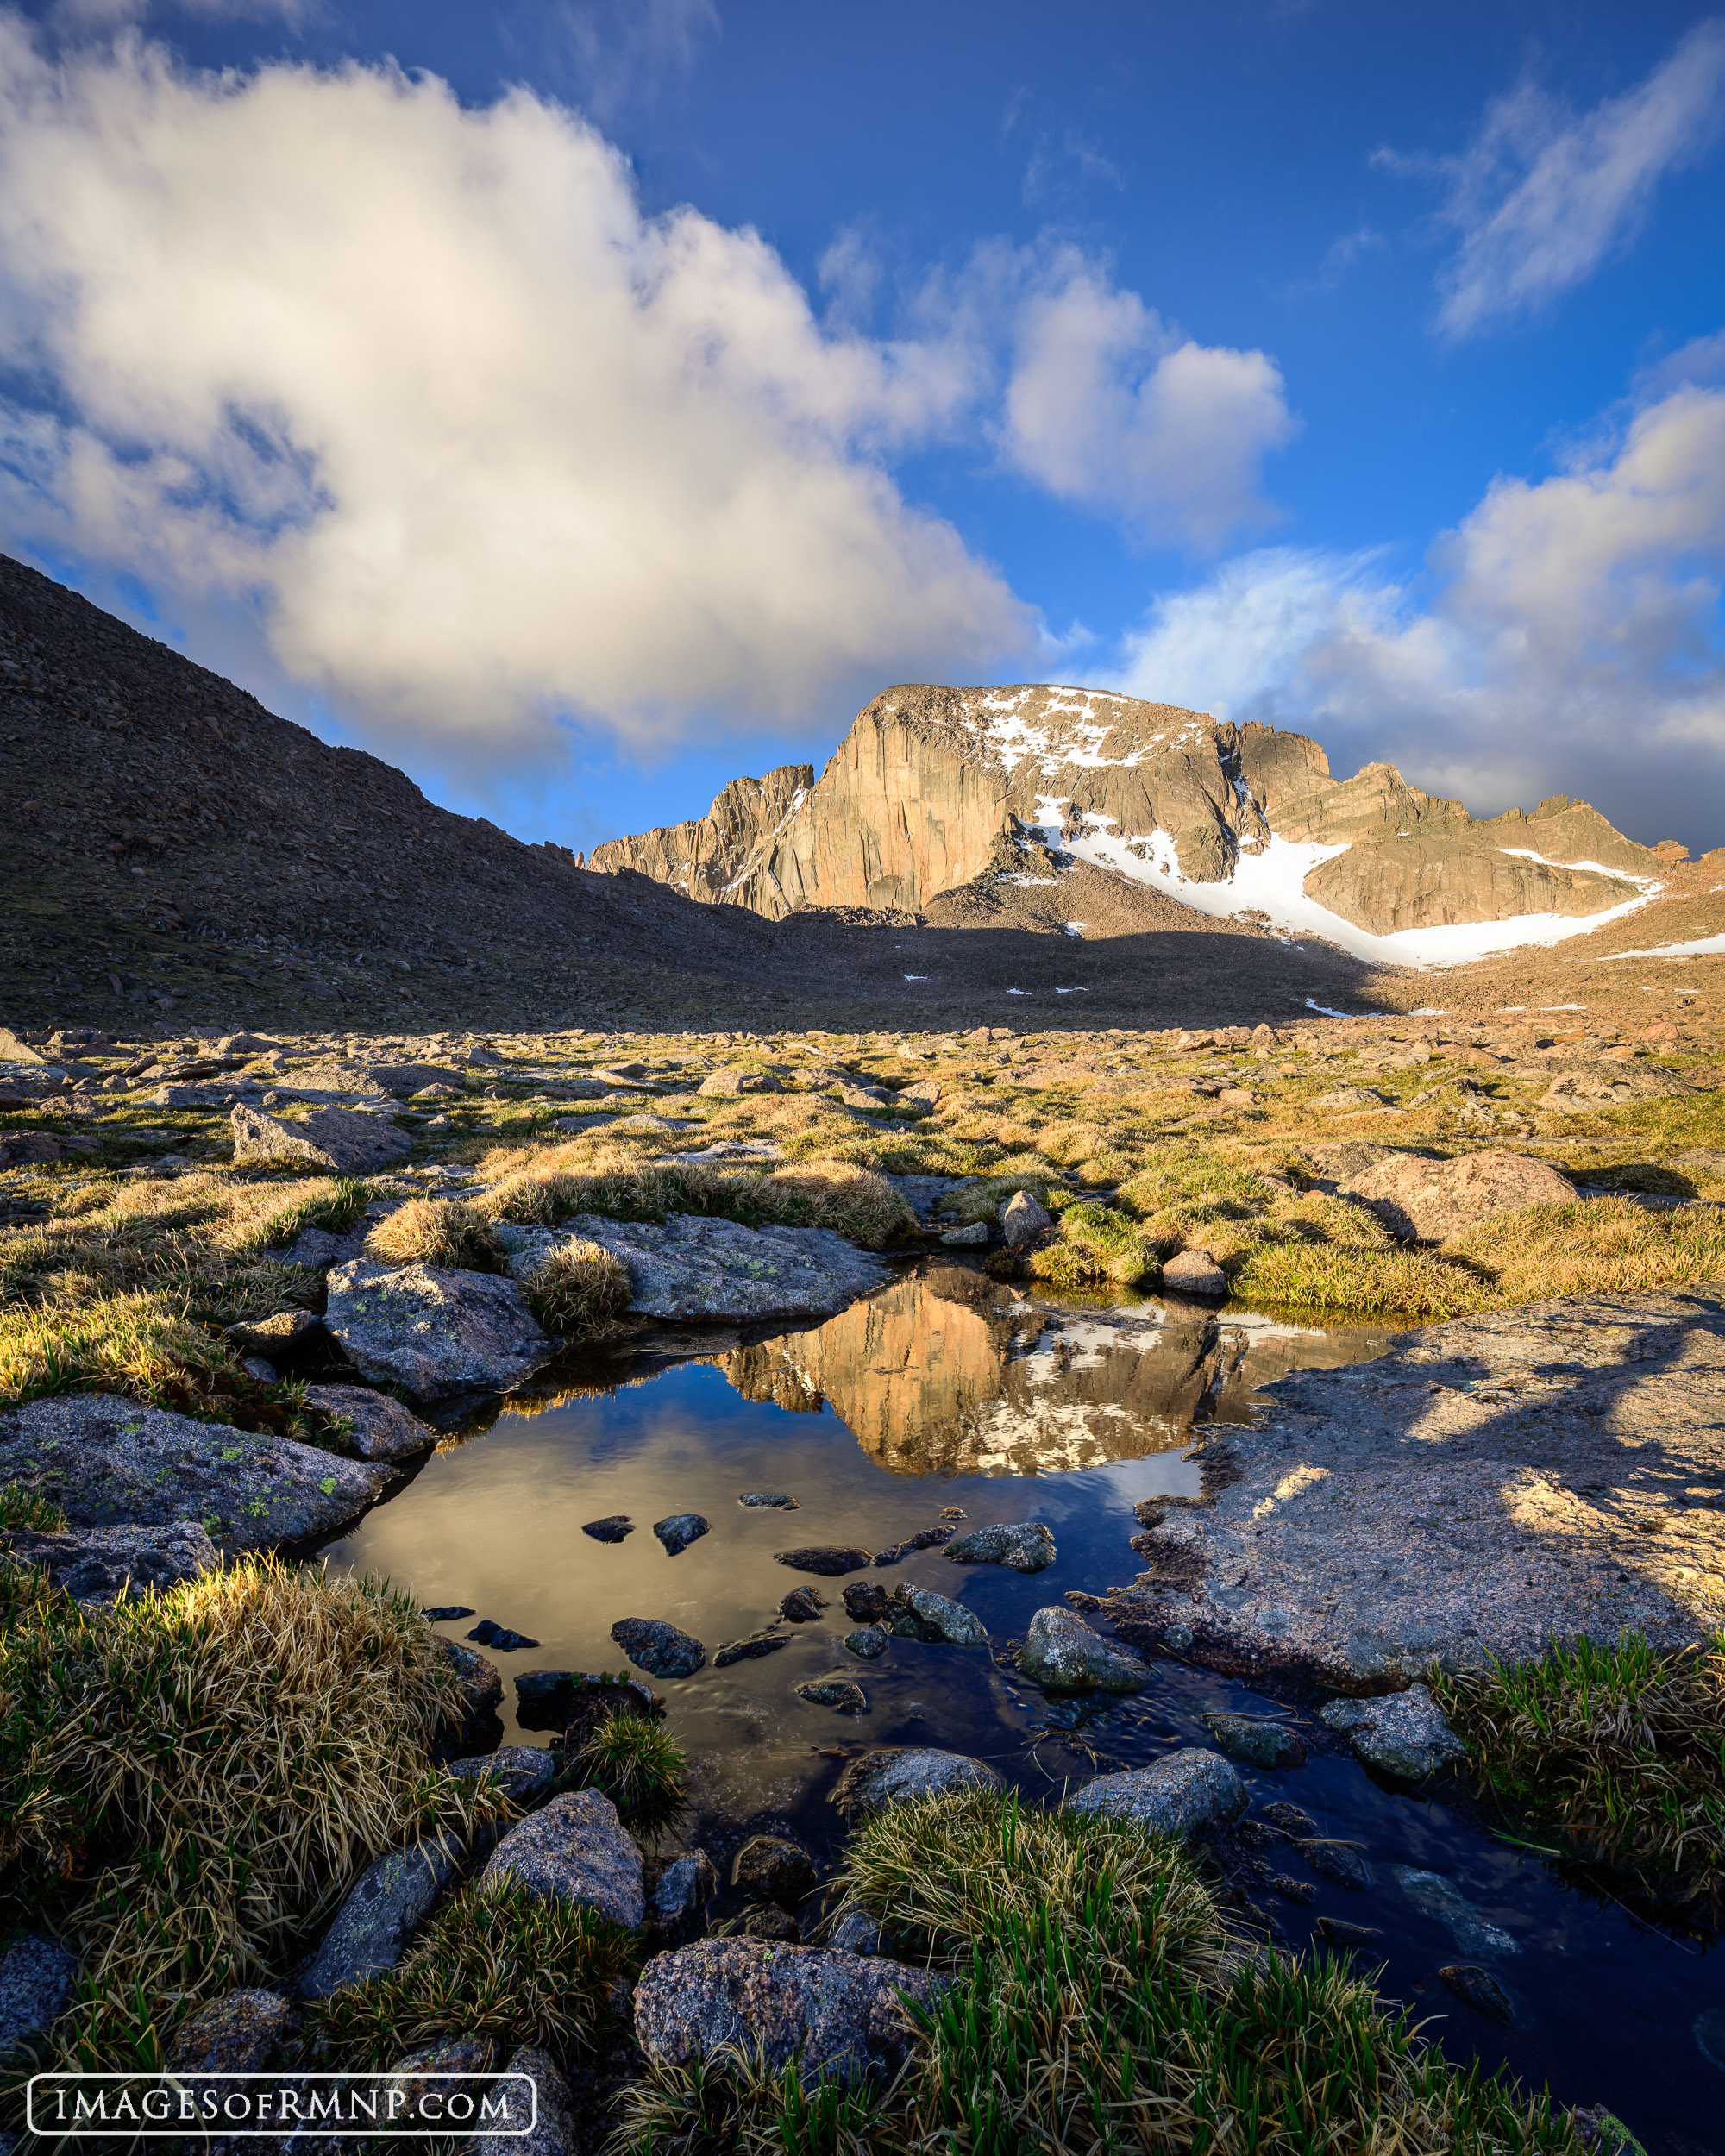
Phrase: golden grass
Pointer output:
(1601, 1246)
(579, 1291)
(440, 1232)
(190, 1781)
(142, 1345)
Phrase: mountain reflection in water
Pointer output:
(948, 1372)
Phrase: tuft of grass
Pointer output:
(639, 1765)
(495, 1961)
(734, 2102)
(20, 1507)
(191, 1781)
(1599, 1246)
(983, 1200)
(143, 1344)
(438, 1232)
(1621, 1748)
(1328, 1279)
(579, 1291)
(1095, 1244)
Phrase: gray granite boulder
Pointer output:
(556, 2128)
(959, 1626)
(574, 1850)
(1024, 1546)
(347, 1141)
(1195, 1273)
(237, 2034)
(434, 1331)
(690, 1266)
(1405, 1733)
(1181, 1794)
(106, 1461)
(841, 1694)
(659, 1648)
(1062, 1654)
(1255, 1741)
(1023, 1222)
(379, 1917)
(523, 1770)
(838, 2016)
(678, 1903)
(36, 1978)
(381, 1427)
(106, 1564)
(896, 1773)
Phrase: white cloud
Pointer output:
(480, 442)
(1541, 197)
(1573, 642)
(1109, 408)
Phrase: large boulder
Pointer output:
(1184, 1793)
(380, 1427)
(896, 1773)
(347, 1141)
(1429, 1200)
(1023, 1546)
(574, 1850)
(838, 2016)
(689, 1266)
(435, 1332)
(36, 1979)
(1405, 1733)
(1062, 1654)
(104, 1461)
(108, 1565)
(379, 1917)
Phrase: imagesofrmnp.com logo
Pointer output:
(133, 2106)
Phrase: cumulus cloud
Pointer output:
(480, 442)
(1573, 641)
(1542, 196)
(1110, 409)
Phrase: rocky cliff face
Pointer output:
(935, 789)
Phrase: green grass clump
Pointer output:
(191, 1781)
(1621, 1748)
(334, 1204)
(639, 1765)
(1096, 1243)
(495, 1961)
(579, 1291)
(20, 1507)
(735, 2104)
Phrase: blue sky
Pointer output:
(581, 403)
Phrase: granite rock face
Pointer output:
(107, 1462)
(1429, 1200)
(345, 1141)
(839, 2016)
(1064, 1654)
(556, 2130)
(236, 2033)
(36, 1980)
(381, 1913)
(522, 1770)
(1184, 1793)
(895, 1773)
(1418, 882)
(434, 1331)
(382, 1429)
(575, 1850)
(106, 1564)
(691, 1267)
(1405, 1734)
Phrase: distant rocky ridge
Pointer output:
(934, 789)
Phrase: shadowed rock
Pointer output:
(381, 1428)
(344, 1140)
(379, 1917)
(436, 1331)
(895, 1773)
(1185, 1793)
(574, 1850)
(106, 1564)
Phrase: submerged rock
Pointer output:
(1479, 1988)
(1255, 1742)
(1342, 1862)
(104, 1461)
(657, 1647)
(829, 1559)
(109, 1565)
(895, 1773)
(1405, 1733)
(1024, 1546)
(679, 1531)
(838, 2016)
(1062, 1654)
(379, 1917)
(574, 1850)
(434, 1330)
(692, 1266)
(1184, 1793)
(1436, 1896)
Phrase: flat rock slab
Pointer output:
(839, 2016)
(691, 1267)
(433, 1330)
(344, 1140)
(1405, 1734)
(381, 1427)
(896, 1773)
(382, 1913)
(523, 1770)
(109, 1565)
(106, 1461)
(1184, 1793)
(1489, 1483)
(574, 1850)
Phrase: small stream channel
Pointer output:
(943, 1390)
